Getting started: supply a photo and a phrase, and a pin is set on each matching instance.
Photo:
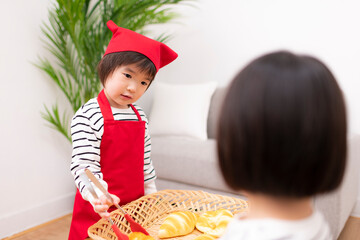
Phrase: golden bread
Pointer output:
(139, 236)
(214, 223)
(204, 237)
(178, 224)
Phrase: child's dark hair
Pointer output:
(110, 62)
(282, 129)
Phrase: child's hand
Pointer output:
(102, 204)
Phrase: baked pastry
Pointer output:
(204, 237)
(178, 224)
(214, 223)
(139, 236)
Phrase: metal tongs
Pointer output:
(117, 231)
(135, 227)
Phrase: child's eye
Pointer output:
(127, 75)
(144, 83)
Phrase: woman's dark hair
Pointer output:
(111, 61)
(282, 129)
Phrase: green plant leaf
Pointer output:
(53, 117)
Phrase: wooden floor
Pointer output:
(58, 229)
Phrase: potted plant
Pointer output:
(76, 35)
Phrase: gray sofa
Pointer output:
(190, 164)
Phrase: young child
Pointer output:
(110, 135)
(282, 140)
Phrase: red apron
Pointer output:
(122, 165)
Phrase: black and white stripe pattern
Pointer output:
(87, 128)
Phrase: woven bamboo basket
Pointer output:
(151, 210)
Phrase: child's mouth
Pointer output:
(126, 96)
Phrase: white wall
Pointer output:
(35, 183)
(214, 40)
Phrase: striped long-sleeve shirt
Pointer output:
(87, 128)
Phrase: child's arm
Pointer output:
(150, 187)
(149, 171)
(86, 138)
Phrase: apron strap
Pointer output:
(136, 112)
(106, 109)
(105, 106)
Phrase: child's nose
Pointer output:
(131, 87)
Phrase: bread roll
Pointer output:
(214, 223)
(139, 236)
(178, 224)
(204, 237)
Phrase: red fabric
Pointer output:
(122, 165)
(126, 40)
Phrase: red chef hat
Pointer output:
(126, 40)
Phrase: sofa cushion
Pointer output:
(181, 109)
(188, 161)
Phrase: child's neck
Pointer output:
(264, 206)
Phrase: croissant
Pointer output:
(204, 237)
(214, 223)
(139, 236)
(178, 224)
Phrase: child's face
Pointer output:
(126, 85)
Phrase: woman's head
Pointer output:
(110, 62)
(282, 128)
